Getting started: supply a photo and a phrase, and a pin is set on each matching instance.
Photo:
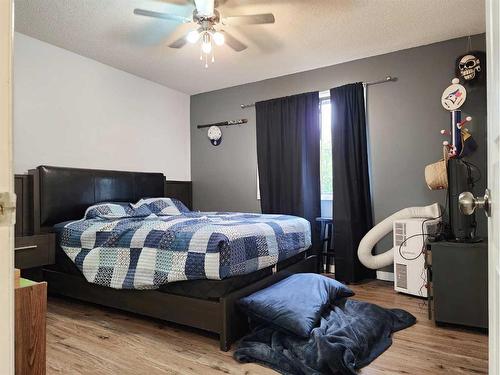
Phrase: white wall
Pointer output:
(73, 111)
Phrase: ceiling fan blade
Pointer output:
(232, 42)
(251, 19)
(164, 16)
(179, 43)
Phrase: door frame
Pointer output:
(6, 185)
(493, 97)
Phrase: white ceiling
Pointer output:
(307, 34)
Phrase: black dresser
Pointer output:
(459, 286)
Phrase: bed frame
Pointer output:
(62, 194)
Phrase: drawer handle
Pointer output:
(26, 247)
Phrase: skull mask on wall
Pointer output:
(469, 65)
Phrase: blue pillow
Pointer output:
(163, 206)
(113, 211)
(294, 305)
(181, 206)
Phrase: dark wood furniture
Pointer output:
(34, 251)
(459, 282)
(218, 316)
(62, 194)
(182, 190)
(30, 327)
(23, 187)
(30, 250)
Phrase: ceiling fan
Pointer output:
(209, 20)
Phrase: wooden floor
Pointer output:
(85, 339)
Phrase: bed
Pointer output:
(205, 300)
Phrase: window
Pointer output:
(326, 149)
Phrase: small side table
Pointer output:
(459, 282)
(35, 251)
(326, 236)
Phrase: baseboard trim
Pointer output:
(385, 276)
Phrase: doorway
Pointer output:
(6, 188)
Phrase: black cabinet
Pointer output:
(34, 251)
(30, 250)
(460, 283)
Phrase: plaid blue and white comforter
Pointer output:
(146, 245)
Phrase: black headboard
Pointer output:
(62, 194)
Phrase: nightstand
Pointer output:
(34, 251)
(459, 282)
(30, 250)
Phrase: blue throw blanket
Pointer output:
(155, 241)
(350, 335)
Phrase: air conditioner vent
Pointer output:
(401, 276)
(400, 234)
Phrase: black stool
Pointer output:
(326, 236)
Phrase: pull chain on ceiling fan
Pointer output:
(208, 18)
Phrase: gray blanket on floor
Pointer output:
(350, 335)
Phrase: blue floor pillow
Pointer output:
(294, 305)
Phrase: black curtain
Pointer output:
(288, 152)
(352, 211)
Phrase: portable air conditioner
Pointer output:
(410, 275)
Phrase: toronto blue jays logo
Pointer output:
(453, 96)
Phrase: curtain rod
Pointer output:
(386, 79)
(225, 123)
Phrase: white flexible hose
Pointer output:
(383, 228)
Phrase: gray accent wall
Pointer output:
(404, 120)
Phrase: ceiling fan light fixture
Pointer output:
(207, 17)
(206, 48)
(193, 36)
(219, 38)
(206, 45)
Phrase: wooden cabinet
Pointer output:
(30, 250)
(30, 327)
(34, 251)
(459, 285)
